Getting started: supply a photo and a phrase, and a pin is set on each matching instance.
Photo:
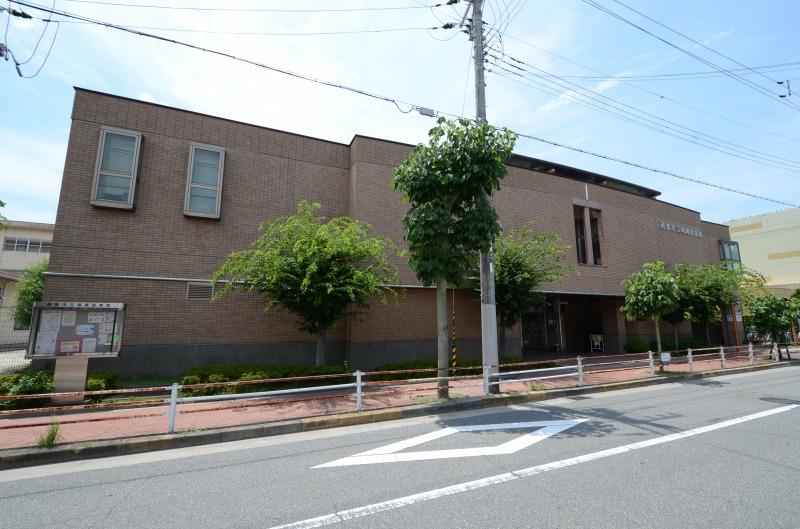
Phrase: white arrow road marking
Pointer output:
(517, 474)
(389, 453)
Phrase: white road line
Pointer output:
(389, 453)
(519, 408)
(517, 474)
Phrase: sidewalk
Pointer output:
(120, 423)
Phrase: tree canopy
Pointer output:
(317, 270)
(650, 294)
(30, 288)
(772, 315)
(523, 260)
(445, 182)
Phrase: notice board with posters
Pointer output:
(61, 328)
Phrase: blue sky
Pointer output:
(414, 66)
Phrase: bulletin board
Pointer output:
(76, 329)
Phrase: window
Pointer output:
(729, 254)
(204, 181)
(580, 238)
(14, 244)
(594, 221)
(116, 169)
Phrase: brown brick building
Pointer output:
(153, 199)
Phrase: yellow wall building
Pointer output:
(770, 244)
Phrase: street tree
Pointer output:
(650, 294)
(449, 220)
(523, 260)
(320, 271)
(30, 288)
(708, 290)
(2, 217)
(772, 315)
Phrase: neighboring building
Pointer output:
(133, 226)
(770, 244)
(23, 244)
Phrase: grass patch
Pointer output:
(666, 373)
(49, 439)
(192, 429)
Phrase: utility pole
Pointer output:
(488, 308)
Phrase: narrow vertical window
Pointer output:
(595, 229)
(117, 164)
(204, 181)
(580, 236)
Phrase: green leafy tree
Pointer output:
(650, 294)
(30, 288)
(317, 270)
(449, 220)
(2, 217)
(523, 260)
(772, 315)
(708, 290)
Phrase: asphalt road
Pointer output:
(722, 452)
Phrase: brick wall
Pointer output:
(266, 173)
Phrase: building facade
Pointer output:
(23, 244)
(770, 245)
(154, 198)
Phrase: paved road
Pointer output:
(722, 452)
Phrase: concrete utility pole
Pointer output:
(488, 309)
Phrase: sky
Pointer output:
(571, 46)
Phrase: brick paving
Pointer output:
(118, 423)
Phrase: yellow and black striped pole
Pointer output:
(453, 347)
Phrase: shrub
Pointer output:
(248, 372)
(637, 345)
(101, 380)
(39, 382)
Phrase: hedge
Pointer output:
(42, 382)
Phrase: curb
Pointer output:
(26, 457)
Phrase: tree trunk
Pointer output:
(501, 341)
(321, 346)
(708, 334)
(675, 336)
(442, 339)
(658, 335)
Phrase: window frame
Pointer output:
(220, 174)
(134, 176)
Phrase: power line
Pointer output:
(383, 98)
(758, 88)
(685, 133)
(274, 34)
(653, 169)
(655, 94)
(694, 41)
(260, 10)
(681, 76)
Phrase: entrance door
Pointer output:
(540, 330)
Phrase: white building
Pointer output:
(23, 244)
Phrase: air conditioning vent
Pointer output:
(199, 291)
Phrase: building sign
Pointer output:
(691, 232)
(76, 329)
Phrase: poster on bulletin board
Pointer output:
(76, 329)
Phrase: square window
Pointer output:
(204, 181)
(117, 166)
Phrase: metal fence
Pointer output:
(13, 342)
(359, 386)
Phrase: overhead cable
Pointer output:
(423, 110)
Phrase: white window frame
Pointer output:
(134, 170)
(221, 171)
